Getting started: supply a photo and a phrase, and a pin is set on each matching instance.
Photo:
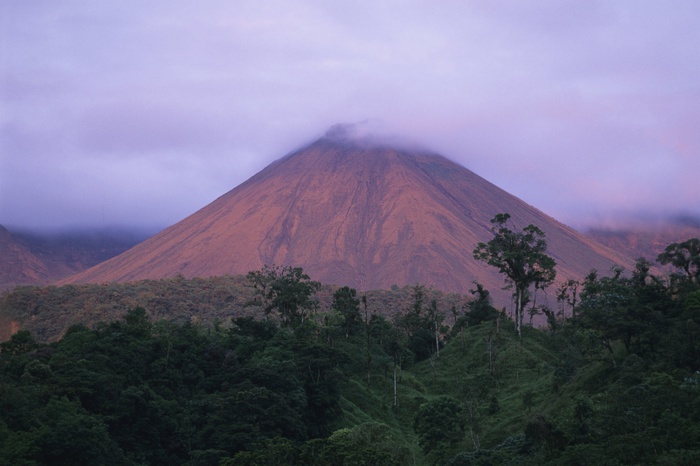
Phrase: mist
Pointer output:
(138, 115)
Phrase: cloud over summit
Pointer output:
(135, 113)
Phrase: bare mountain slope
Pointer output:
(350, 213)
(39, 258)
(17, 263)
(648, 240)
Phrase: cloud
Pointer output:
(137, 112)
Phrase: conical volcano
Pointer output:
(352, 213)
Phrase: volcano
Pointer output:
(353, 212)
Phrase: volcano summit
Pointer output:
(352, 212)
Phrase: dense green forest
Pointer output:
(614, 377)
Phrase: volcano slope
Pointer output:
(353, 213)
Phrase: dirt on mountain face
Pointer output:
(351, 213)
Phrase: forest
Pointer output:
(302, 374)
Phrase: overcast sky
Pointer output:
(138, 113)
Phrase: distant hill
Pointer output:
(646, 240)
(356, 213)
(18, 265)
(39, 258)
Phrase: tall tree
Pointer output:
(345, 302)
(685, 256)
(287, 290)
(521, 257)
(436, 317)
(417, 326)
(567, 293)
(369, 321)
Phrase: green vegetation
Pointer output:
(521, 258)
(616, 382)
(47, 312)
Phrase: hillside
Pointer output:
(646, 239)
(349, 388)
(38, 258)
(47, 312)
(17, 263)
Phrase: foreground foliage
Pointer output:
(616, 382)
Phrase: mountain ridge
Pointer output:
(353, 213)
(42, 257)
(18, 265)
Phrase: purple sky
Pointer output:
(138, 113)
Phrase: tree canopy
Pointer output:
(287, 290)
(521, 257)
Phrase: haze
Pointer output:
(139, 113)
